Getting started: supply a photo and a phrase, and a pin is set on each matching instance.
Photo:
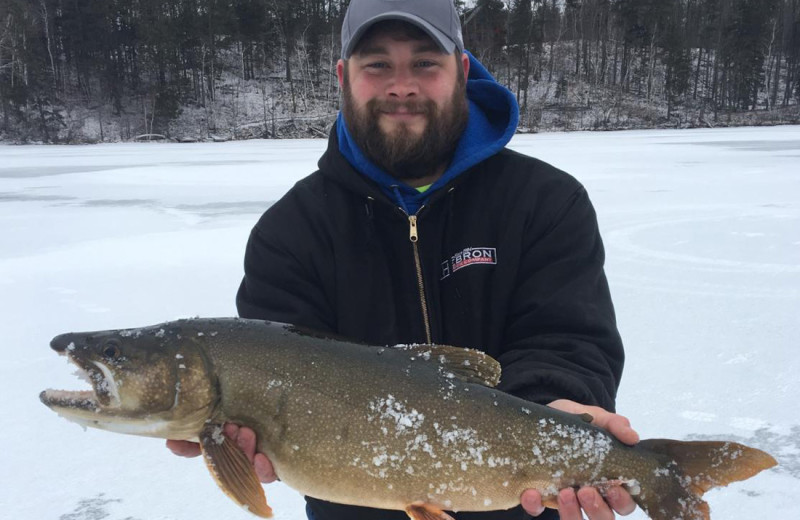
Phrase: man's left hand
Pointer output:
(589, 499)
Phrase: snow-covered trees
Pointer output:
(113, 69)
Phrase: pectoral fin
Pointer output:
(422, 511)
(232, 471)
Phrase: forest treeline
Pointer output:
(89, 70)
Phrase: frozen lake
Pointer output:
(702, 233)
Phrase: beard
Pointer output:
(404, 154)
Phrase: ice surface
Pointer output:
(702, 235)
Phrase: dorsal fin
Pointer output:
(469, 365)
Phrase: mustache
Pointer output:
(410, 107)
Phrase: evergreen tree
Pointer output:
(523, 39)
(485, 31)
(677, 54)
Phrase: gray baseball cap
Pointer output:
(438, 18)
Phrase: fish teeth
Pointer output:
(82, 375)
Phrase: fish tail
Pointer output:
(675, 490)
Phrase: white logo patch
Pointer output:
(467, 257)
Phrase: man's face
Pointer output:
(404, 103)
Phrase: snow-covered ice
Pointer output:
(702, 233)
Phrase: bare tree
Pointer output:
(46, 24)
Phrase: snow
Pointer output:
(390, 411)
(702, 235)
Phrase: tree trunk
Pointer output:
(603, 61)
(697, 72)
(770, 61)
(652, 68)
(616, 59)
(788, 91)
(623, 75)
(46, 25)
(42, 120)
(773, 96)
(288, 62)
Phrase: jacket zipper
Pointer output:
(414, 237)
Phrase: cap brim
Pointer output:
(446, 44)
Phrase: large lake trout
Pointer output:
(417, 428)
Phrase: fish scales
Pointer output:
(372, 426)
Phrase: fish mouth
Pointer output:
(75, 400)
(103, 394)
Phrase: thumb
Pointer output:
(618, 426)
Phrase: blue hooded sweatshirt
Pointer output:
(493, 117)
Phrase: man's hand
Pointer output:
(245, 438)
(589, 499)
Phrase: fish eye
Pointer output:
(111, 350)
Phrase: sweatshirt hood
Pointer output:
(493, 118)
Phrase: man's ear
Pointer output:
(340, 65)
(465, 62)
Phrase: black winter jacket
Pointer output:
(508, 260)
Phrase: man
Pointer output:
(420, 227)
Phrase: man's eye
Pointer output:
(426, 64)
(376, 66)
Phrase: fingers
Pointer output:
(588, 499)
(245, 438)
(617, 425)
(184, 448)
(568, 506)
(572, 505)
(594, 505)
(620, 501)
(264, 469)
(531, 502)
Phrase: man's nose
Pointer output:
(403, 84)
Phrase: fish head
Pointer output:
(143, 382)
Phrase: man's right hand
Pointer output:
(245, 438)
